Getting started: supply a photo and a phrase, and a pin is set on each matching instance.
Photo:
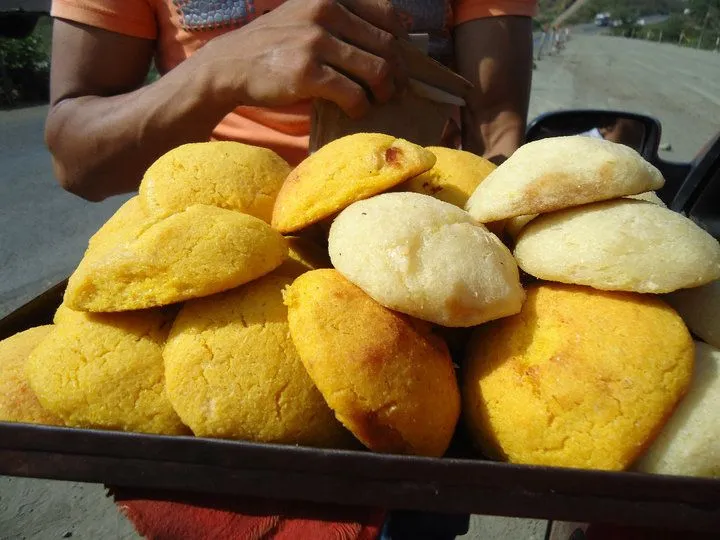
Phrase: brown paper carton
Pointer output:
(411, 115)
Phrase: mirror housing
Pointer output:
(638, 131)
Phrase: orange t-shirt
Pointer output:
(181, 27)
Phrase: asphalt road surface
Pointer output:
(44, 231)
(679, 86)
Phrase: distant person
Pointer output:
(593, 133)
(555, 40)
(625, 131)
(562, 37)
(542, 42)
(621, 130)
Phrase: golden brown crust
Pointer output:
(225, 174)
(105, 371)
(579, 378)
(233, 372)
(389, 380)
(18, 402)
(346, 170)
(200, 251)
(453, 178)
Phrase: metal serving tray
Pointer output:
(459, 483)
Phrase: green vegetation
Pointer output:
(43, 31)
(23, 53)
(694, 23)
(699, 28)
(631, 11)
(627, 11)
(677, 30)
(548, 10)
(25, 66)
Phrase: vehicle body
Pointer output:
(602, 19)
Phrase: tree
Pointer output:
(705, 12)
(673, 27)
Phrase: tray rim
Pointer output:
(31, 437)
(409, 482)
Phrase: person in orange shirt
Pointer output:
(246, 70)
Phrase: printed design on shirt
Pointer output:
(423, 15)
(202, 15)
(433, 17)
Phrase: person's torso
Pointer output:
(184, 26)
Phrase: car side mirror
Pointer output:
(634, 130)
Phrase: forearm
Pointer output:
(495, 54)
(101, 146)
(105, 128)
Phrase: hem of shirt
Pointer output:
(104, 20)
(471, 12)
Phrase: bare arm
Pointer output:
(104, 128)
(495, 54)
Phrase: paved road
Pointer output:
(43, 230)
(43, 234)
(679, 86)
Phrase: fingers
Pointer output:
(344, 51)
(349, 27)
(379, 13)
(354, 30)
(369, 70)
(333, 86)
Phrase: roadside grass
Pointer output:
(43, 31)
(674, 30)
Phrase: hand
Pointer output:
(311, 49)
